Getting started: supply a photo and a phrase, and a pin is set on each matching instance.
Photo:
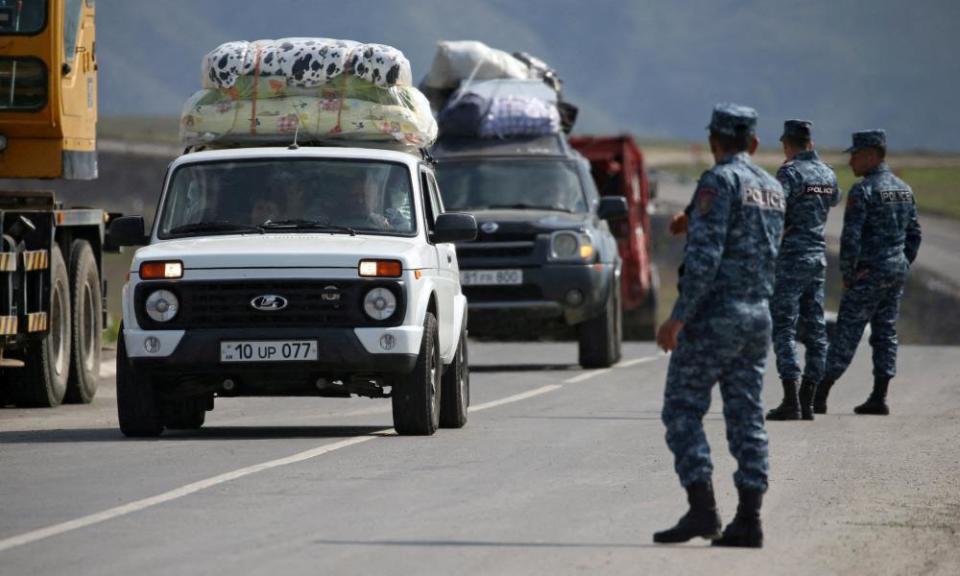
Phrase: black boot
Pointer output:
(745, 530)
(701, 520)
(877, 402)
(789, 409)
(820, 396)
(807, 392)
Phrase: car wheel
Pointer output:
(416, 396)
(184, 414)
(600, 338)
(137, 407)
(455, 399)
(42, 382)
(641, 322)
(87, 323)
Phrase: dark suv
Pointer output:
(544, 256)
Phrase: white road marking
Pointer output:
(637, 361)
(587, 375)
(516, 397)
(138, 505)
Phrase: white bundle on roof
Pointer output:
(305, 62)
(457, 61)
(313, 89)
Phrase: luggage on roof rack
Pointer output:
(501, 109)
(549, 145)
(273, 92)
(483, 92)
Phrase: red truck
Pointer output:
(617, 166)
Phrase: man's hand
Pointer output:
(667, 334)
(678, 225)
(849, 282)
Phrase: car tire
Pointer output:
(416, 396)
(600, 338)
(42, 382)
(87, 324)
(641, 322)
(184, 414)
(137, 407)
(455, 396)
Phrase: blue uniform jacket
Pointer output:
(811, 190)
(736, 220)
(881, 233)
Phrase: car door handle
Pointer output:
(449, 259)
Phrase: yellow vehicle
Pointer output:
(48, 89)
(51, 296)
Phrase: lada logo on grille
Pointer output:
(330, 294)
(269, 303)
(489, 227)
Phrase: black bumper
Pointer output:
(543, 294)
(195, 364)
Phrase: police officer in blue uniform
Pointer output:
(719, 330)
(881, 238)
(811, 190)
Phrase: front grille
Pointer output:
(508, 234)
(496, 250)
(315, 304)
(502, 293)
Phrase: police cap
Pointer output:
(868, 139)
(733, 120)
(797, 130)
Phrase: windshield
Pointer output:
(22, 16)
(289, 195)
(470, 185)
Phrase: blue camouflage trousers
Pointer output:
(730, 347)
(874, 299)
(798, 302)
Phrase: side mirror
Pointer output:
(127, 231)
(612, 208)
(455, 227)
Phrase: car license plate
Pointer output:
(491, 277)
(269, 351)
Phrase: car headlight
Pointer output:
(570, 246)
(564, 245)
(162, 306)
(380, 303)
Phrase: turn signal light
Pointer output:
(161, 270)
(381, 268)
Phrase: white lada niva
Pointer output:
(311, 271)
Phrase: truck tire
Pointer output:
(416, 396)
(600, 338)
(641, 322)
(87, 322)
(42, 382)
(137, 407)
(455, 396)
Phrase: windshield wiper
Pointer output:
(301, 224)
(215, 226)
(524, 206)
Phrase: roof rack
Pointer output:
(551, 145)
(422, 153)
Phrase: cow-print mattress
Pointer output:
(305, 62)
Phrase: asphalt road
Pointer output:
(559, 471)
